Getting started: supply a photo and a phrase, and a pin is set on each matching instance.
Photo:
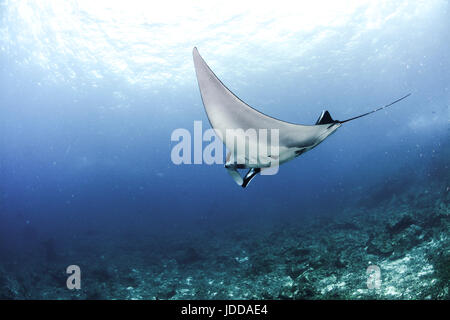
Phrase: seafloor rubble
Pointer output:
(325, 257)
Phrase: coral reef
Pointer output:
(406, 235)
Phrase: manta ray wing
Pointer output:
(226, 111)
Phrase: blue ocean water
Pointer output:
(90, 94)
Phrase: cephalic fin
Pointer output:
(243, 182)
(250, 175)
(235, 175)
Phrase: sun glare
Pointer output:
(150, 43)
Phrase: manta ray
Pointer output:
(225, 111)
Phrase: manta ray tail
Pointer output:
(325, 117)
(378, 109)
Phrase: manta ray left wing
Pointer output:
(226, 111)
